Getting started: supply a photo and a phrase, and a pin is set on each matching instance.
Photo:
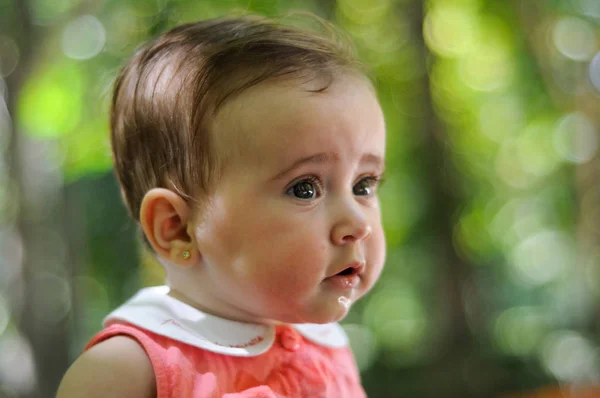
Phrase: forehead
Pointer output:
(274, 121)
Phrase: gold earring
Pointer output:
(186, 255)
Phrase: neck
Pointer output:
(220, 309)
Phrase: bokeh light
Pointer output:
(536, 150)
(364, 12)
(574, 38)
(451, 29)
(588, 7)
(9, 55)
(84, 37)
(570, 357)
(576, 138)
(50, 312)
(491, 200)
(594, 72)
(543, 257)
(17, 365)
(501, 117)
(520, 330)
(510, 167)
(50, 102)
(489, 64)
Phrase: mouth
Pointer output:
(352, 269)
(349, 277)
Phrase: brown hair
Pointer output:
(167, 94)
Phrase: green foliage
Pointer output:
(51, 101)
(489, 193)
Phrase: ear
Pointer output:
(165, 216)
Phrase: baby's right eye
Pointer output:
(306, 189)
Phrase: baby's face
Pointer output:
(293, 231)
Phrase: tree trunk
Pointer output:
(40, 295)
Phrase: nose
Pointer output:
(352, 226)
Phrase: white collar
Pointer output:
(154, 310)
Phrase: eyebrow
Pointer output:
(330, 157)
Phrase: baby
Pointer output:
(249, 152)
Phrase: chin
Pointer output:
(325, 312)
(330, 316)
(337, 318)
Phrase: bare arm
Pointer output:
(117, 367)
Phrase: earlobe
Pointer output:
(164, 217)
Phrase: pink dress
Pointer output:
(197, 355)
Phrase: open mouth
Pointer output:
(348, 271)
(351, 270)
(347, 278)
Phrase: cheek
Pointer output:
(289, 249)
(381, 248)
(377, 252)
(280, 231)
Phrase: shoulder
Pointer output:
(116, 367)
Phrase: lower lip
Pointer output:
(344, 281)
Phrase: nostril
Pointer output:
(361, 233)
(348, 232)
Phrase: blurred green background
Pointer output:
(491, 204)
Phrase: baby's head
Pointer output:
(250, 152)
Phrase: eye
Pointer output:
(306, 189)
(366, 187)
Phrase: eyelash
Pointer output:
(375, 182)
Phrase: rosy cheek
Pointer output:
(377, 250)
(280, 229)
(296, 260)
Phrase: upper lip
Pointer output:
(357, 266)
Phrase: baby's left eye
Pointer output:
(365, 187)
